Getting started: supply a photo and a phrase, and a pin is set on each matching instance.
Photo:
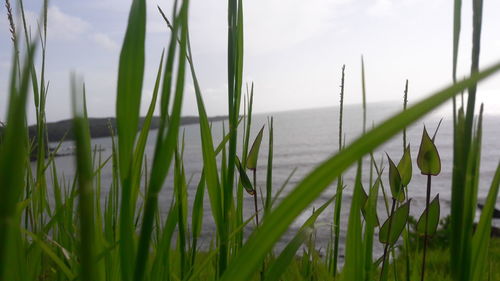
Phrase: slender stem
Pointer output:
(427, 200)
(388, 237)
(255, 196)
(257, 215)
(338, 199)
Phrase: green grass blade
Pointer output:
(164, 151)
(162, 265)
(130, 79)
(457, 16)
(13, 159)
(197, 216)
(129, 89)
(481, 238)
(143, 136)
(457, 196)
(477, 18)
(85, 187)
(208, 153)
(470, 201)
(253, 155)
(277, 268)
(353, 266)
(244, 180)
(269, 175)
(262, 241)
(371, 223)
(181, 195)
(247, 128)
(52, 256)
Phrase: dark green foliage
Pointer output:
(428, 159)
(253, 155)
(433, 211)
(405, 167)
(397, 223)
(75, 236)
(395, 181)
(245, 181)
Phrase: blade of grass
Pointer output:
(164, 149)
(481, 238)
(277, 268)
(143, 136)
(262, 240)
(129, 89)
(269, 175)
(208, 153)
(12, 160)
(85, 188)
(353, 267)
(371, 223)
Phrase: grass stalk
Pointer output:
(339, 190)
(383, 271)
(85, 188)
(254, 173)
(427, 201)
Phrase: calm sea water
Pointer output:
(305, 138)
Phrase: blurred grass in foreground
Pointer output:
(72, 233)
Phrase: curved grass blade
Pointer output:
(262, 241)
(52, 255)
(253, 155)
(245, 181)
(161, 265)
(481, 238)
(279, 266)
(208, 154)
(143, 136)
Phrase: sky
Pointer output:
(294, 51)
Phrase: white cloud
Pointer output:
(64, 26)
(276, 24)
(104, 41)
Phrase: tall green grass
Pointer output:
(80, 235)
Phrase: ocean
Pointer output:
(302, 140)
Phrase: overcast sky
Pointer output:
(294, 50)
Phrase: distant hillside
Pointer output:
(99, 127)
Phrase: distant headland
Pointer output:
(101, 127)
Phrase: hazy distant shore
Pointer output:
(100, 127)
